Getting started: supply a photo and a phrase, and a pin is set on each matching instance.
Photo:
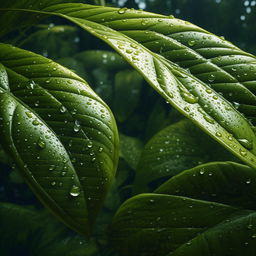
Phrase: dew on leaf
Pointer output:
(191, 42)
(41, 143)
(35, 122)
(122, 10)
(75, 191)
(242, 152)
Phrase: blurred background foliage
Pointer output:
(140, 113)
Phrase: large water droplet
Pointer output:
(75, 191)
(188, 97)
(77, 126)
(29, 114)
(35, 122)
(122, 10)
(191, 42)
(208, 119)
(41, 143)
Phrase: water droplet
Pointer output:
(151, 201)
(77, 126)
(29, 114)
(188, 97)
(242, 152)
(201, 172)
(191, 42)
(122, 10)
(100, 149)
(144, 22)
(249, 226)
(41, 143)
(248, 181)
(208, 119)
(53, 183)
(63, 109)
(52, 167)
(218, 134)
(31, 84)
(75, 191)
(211, 78)
(35, 122)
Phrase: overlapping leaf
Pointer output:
(59, 132)
(191, 96)
(175, 148)
(208, 210)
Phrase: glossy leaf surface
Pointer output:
(175, 148)
(59, 132)
(192, 96)
(203, 211)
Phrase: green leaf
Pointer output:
(61, 135)
(212, 59)
(208, 210)
(175, 148)
(192, 97)
(128, 85)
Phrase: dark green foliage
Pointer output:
(59, 136)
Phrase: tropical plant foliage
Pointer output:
(185, 180)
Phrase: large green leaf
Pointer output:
(59, 132)
(175, 148)
(192, 97)
(210, 58)
(208, 210)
